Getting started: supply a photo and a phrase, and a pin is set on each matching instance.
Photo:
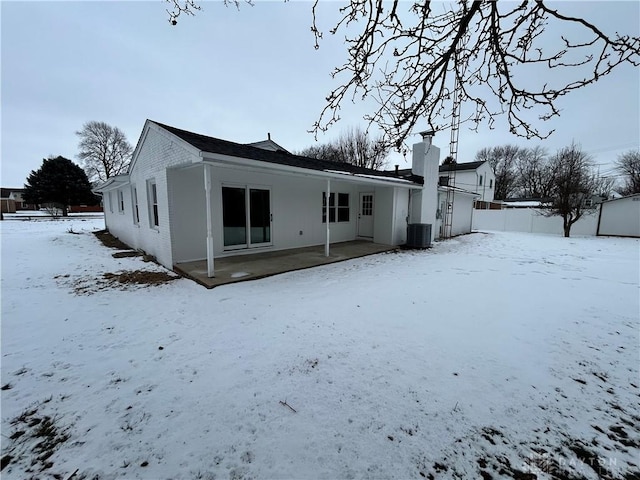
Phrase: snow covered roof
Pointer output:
(635, 196)
(522, 203)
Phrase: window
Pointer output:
(120, 201)
(134, 202)
(152, 192)
(111, 202)
(367, 205)
(480, 180)
(491, 183)
(339, 211)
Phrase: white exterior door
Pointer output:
(365, 215)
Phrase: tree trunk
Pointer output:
(65, 212)
(566, 224)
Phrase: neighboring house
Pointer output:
(477, 177)
(620, 217)
(190, 197)
(85, 208)
(11, 200)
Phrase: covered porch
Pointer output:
(239, 268)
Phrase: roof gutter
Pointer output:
(230, 161)
(112, 183)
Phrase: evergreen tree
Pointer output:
(61, 182)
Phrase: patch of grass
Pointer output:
(34, 439)
(589, 458)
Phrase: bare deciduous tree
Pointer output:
(324, 151)
(190, 7)
(628, 164)
(354, 146)
(503, 160)
(574, 183)
(409, 62)
(104, 150)
(408, 56)
(534, 175)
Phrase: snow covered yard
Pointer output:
(494, 355)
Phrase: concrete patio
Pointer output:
(240, 268)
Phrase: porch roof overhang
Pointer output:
(345, 176)
(112, 183)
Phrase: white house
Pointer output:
(620, 217)
(477, 177)
(191, 197)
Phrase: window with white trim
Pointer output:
(338, 211)
(111, 202)
(120, 201)
(480, 181)
(134, 203)
(152, 195)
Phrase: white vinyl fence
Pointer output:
(532, 221)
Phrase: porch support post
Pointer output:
(207, 191)
(326, 245)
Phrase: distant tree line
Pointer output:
(565, 182)
(531, 172)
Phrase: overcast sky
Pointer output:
(234, 75)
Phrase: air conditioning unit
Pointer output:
(419, 235)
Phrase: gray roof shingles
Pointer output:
(460, 166)
(224, 147)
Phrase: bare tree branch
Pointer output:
(104, 150)
(190, 7)
(354, 146)
(407, 62)
(573, 185)
(628, 164)
(407, 57)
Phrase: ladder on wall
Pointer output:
(453, 153)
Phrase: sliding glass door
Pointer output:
(246, 217)
(259, 216)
